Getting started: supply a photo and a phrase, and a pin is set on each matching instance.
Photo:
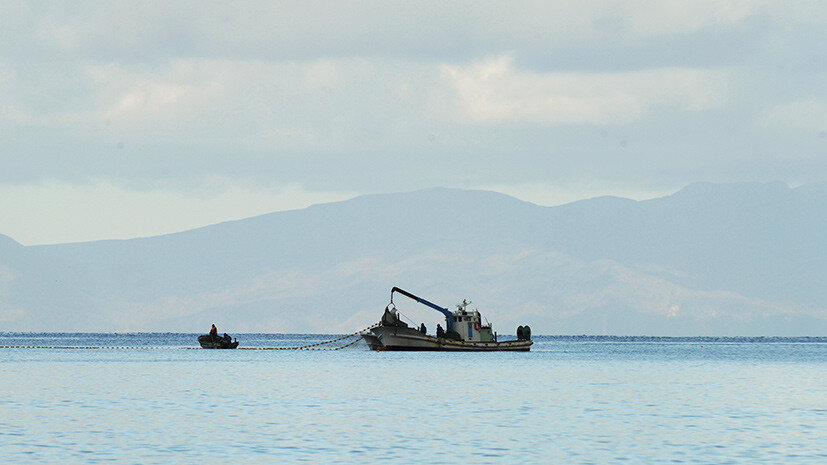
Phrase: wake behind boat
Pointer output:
(465, 331)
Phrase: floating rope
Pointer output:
(89, 347)
(307, 347)
(315, 346)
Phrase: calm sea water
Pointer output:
(569, 400)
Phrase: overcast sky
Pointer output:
(124, 119)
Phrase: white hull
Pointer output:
(402, 338)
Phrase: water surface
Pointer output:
(570, 400)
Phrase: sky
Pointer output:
(128, 119)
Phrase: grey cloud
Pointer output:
(149, 31)
(230, 90)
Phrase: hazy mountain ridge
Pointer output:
(710, 259)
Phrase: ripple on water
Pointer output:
(575, 399)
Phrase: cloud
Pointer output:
(494, 92)
(669, 17)
(289, 30)
(797, 116)
(313, 105)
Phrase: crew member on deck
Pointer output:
(213, 332)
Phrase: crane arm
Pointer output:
(449, 318)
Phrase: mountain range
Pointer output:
(744, 259)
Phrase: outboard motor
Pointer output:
(523, 333)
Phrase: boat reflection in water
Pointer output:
(464, 331)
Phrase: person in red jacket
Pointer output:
(213, 332)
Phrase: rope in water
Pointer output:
(311, 347)
(315, 346)
(90, 347)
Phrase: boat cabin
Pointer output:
(468, 323)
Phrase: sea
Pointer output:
(156, 398)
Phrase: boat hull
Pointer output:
(408, 339)
(207, 343)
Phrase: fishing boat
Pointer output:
(208, 342)
(464, 331)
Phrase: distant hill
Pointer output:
(711, 259)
